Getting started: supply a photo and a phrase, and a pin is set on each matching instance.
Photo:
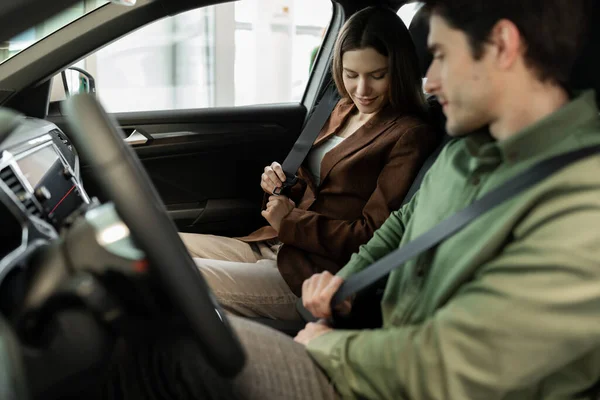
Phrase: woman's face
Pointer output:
(366, 79)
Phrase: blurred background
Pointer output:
(233, 54)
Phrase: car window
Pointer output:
(232, 54)
(408, 11)
(22, 41)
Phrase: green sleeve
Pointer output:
(385, 240)
(527, 313)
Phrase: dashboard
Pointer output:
(40, 187)
(68, 266)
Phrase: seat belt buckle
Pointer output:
(287, 184)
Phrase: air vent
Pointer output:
(9, 177)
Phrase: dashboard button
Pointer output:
(67, 173)
(42, 194)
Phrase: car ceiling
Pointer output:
(17, 16)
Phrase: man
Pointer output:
(508, 307)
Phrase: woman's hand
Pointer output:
(272, 178)
(277, 209)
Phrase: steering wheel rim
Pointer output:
(122, 177)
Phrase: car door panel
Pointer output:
(206, 164)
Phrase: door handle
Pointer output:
(136, 138)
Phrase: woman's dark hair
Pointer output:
(381, 29)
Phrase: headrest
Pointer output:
(586, 73)
(419, 30)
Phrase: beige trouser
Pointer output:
(244, 277)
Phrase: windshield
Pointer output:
(33, 35)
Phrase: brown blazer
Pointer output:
(363, 179)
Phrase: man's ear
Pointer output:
(507, 42)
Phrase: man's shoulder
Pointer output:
(583, 173)
(586, 169)
(571, 190)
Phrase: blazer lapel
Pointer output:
(359, 139)
(337, 119)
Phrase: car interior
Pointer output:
(89, 248)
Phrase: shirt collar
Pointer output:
(535, 139)
(540, 136)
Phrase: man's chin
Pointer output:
(453, 133)
(454, 129)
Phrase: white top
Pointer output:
(315, 157)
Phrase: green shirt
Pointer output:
(508, 308)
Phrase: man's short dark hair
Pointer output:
(553, 30)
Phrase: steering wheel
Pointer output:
(122, 178)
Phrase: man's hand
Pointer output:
(272, 178)
(317, 292)
(312, 331)
(277, 209)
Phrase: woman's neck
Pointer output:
(363, 118)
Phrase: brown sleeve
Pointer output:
(338, 239)
(296, 193)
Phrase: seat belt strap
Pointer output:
(456, 222)
(309, 134)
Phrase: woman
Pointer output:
(358, 171)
